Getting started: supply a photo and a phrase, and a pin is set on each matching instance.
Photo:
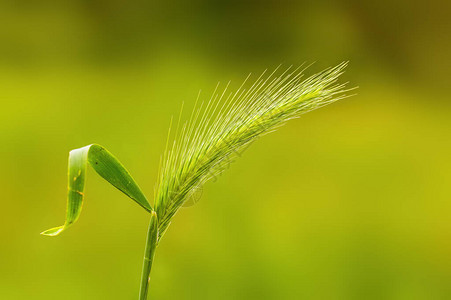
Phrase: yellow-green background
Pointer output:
(349, 202)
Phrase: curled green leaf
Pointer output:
(109, 168)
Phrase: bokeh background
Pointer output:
(349, 202)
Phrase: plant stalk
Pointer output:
(149, 252)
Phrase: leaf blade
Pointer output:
(109, 168)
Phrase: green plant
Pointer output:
(214, 135)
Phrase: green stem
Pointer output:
(149, 252)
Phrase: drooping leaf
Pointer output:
(108, 167)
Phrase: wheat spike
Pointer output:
(219, 130)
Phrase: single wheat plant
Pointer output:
(202, 147)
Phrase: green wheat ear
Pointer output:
(215, 134)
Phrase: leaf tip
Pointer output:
(53, 231)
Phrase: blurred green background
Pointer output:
(349, 202)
